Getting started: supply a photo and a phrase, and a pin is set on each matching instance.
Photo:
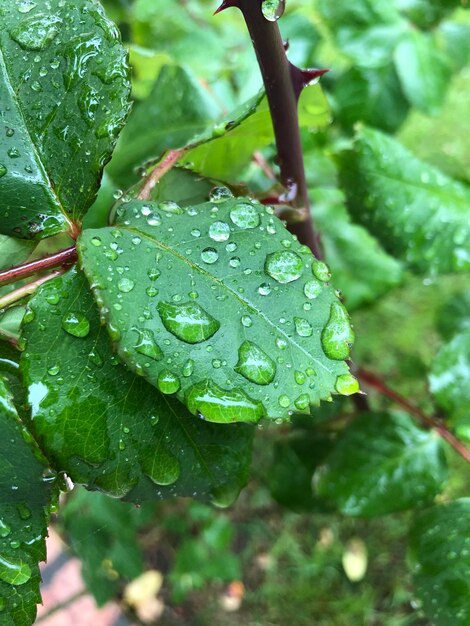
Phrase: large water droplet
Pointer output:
(302, 327)
(284, 266)
(312, 289)
(168, 382)
(76, 324)
(14, 571)
(188, 321)
(170, 207)
(209, 255)
(36, 32)
(302, 402)
(337, 336)
(321, 271)
(254, 364)
(222, 406)
(219, 231)
(245, 216)
(347, 384)
(25, 6)
(162, 468)
(5, 530)
(220, 194)
(147, 345)
(273, 9)
(125, 285)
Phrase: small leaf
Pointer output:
(415, 211)
(382, 463)
(26, 491)
(63, 76)
(107, 428)
(440, 552)
(225, 287)
(448, 381)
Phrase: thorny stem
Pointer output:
(281, 93)
(430, 421)
(64, 258)
(26, 290)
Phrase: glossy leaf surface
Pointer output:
(108, 428)
(238, 316)
(414, 210)
(26, 491)
(440, 552)
(382, 463)
(63, 100)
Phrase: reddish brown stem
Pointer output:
(64, 258)
(430, 421)
(168, 161)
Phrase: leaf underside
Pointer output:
(221, 305)
(63, 99)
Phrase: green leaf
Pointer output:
(427, 13)
(107, 428)
(382, 463)
(454, 315)
(448, 381)
(423, 70)
(14, 251)
(177, 110)
(64, 90)
(240, 320)
(440, 552)
(414, 210)
(103, 534)
(26, 491)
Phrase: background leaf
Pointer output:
(64, 86)
(108, 428)
(240, 316)
(26, 491)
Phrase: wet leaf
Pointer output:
(440, 553)
(26, 491)
(107, 428)
(220, 300)
(414, 210)
(64, 85)
(382, 463)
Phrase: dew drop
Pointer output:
(96, 241)
(321, 271)
(188, 368)
(14, 153)
(338, 335)
(220, 194)
(264, 289)
(188, 321)
(273, 9)
(25, 6)
(245, 216)
(302, 327)
(254, 364)
(231, 247)
(312, 289)
(168, 382)
(347, 384)
(219, 231)
(196, 232)
(284, 401)
(234, 261)
(247, 321)
(302, 402)
(284, 266)
(125, 285)
(147, 345)
(168, 206)
(299, 377)
(162, 468)
(153, 273)
(209, 255)
(36, 32)
(5, 530)
(75, 324)
(54, 370)
(151, 292)
(221, 405)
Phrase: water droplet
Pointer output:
(245, 216)
(170, 207)
(188, 368)
(302, 327)
(14, 571)
(36, 32)
(222, 406)
(209, 255)
(254, 364)
(273, 9)
(188, 321)
(321, 271)
(247, 321)
(114, 332)
(302, 402)
(216, 363)
(154, 419)
(347, 384)
(25, 6)
(284, 266)
(95, 357)
(14, 153)
(147, 345)
(234, 261)
(219, 231)
(125, 285)
(3, 170)
(5, 530)
(162, 468)
(153, 273)
(312, 289)
(96, 241)
(231, 247)
(220, 194)
(76, 324)
(284, 401)
(54, 370)
(299, 377)
(337, 336)
(168, 382)
(136, 241)
(196, 232)
(151, 292)
(281, 343)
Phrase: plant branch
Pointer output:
(167, 162)
(27, 290)
(63, 258)
(282, 98)
(430, 421)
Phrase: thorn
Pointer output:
(286, 45)
(302, 78)
(312, 74)
(226, 4)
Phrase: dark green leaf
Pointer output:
(64, 90)
(427, 13)
(26, 491)
(239, 317)
(103, 534)
(454, 316)
(449, 381)
(440, 552)
(382, 463)
(415, 211)
(107, 428)
(14, 251)
(423, 70)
